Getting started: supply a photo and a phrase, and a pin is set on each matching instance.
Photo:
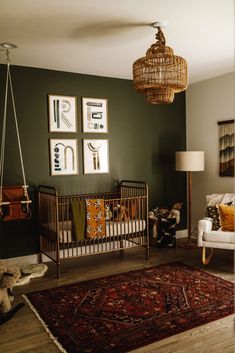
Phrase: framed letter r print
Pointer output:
(62, 113)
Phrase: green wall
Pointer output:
(143, 139)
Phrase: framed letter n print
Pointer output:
(63, 156)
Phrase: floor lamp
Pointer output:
(189, 161)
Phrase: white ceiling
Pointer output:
(104, 37)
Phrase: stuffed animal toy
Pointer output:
(153, 219)
(133, 209)
(177, 206)
(163, 221)
(31, 271)
(8, 277)
(108, 213)
(11, 276)
(124, 214)
(175, 212)
(120, 214)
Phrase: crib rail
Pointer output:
(126, 222)
(131, 188)
(48, 214)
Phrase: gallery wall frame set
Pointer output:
(62, 118)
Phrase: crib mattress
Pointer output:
(112, 229)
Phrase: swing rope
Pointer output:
(9, 84)
(3, 137)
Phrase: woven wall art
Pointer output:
(226, 147)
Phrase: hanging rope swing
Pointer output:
(14, 200)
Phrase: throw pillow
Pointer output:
(227, 217)
(213, 212)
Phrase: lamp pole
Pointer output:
(189, 206)
(189, 161)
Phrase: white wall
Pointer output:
(208, 102)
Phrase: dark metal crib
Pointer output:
(55, 225)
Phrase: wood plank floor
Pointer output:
(25, 334)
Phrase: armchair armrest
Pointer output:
(204, 225)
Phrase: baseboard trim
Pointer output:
(181, 233)
(33, 259)
(25, 260)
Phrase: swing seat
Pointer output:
(15, 204)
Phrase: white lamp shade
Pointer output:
(189, 161)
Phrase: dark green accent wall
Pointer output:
(143, 139)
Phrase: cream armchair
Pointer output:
(208, 235)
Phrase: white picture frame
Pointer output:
(94, 115)
(63, 157)
(62, 113)
(96, 156)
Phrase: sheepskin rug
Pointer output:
(31, 271)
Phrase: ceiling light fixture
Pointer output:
(7, 46)
(160, 74)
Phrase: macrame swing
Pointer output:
(14, 200)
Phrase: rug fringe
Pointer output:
(52, 337)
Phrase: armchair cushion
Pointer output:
(219, 237)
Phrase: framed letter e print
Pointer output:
(94, 115)
(96, 156)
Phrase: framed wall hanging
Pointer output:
(226, 147)
(63, 156)
(62, 113)
(96, 156)
(94, 115)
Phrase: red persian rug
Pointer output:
(119, 313)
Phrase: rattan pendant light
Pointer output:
(160, 74)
